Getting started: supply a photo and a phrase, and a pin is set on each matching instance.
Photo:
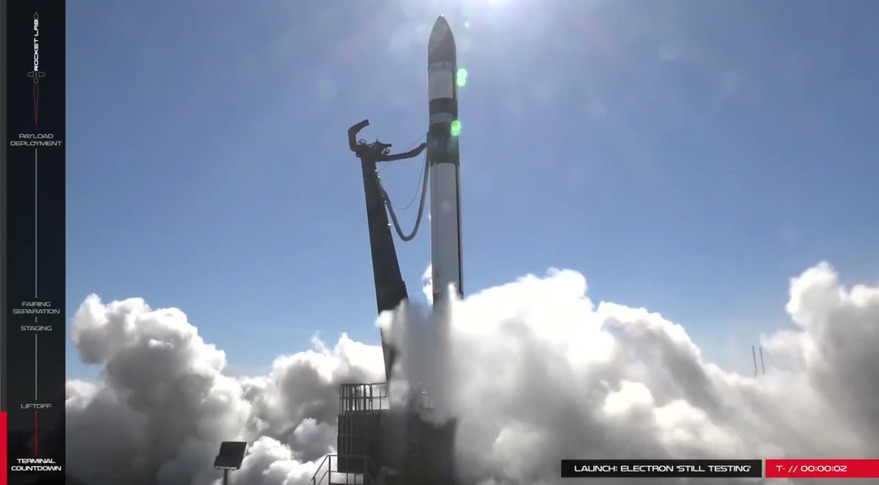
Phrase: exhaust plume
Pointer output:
(533, 370)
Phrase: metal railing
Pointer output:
(326, 473)
(363, 397)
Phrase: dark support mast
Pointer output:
(390, 289)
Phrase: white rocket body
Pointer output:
(444, 230)
(445, 193)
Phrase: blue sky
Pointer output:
(688, 157)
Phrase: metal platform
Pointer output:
(373, 431)
(328, 472)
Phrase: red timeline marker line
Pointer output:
(36, 104)
(36, 434)
(4, 469)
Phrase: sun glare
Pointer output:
(493, 3)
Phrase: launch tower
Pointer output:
(381, 442)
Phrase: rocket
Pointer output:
(443, 155)
(36, 74)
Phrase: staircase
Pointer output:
(326, 473)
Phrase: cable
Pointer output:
(415, 195)
(420, 176)
(411, 146)
(393, 214)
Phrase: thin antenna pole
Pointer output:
(762, 364)
(754, 353)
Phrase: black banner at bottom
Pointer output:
(662, 468)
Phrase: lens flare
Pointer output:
(456, 128)
(461, 77)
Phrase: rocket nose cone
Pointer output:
(441, 22)
(441, 46)
(36, 16)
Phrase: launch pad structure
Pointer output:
(380, 443)
(383, 441)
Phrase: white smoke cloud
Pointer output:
(533, 370)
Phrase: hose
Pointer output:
(390, 206)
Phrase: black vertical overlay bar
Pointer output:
(4, 155)
(33, 280)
